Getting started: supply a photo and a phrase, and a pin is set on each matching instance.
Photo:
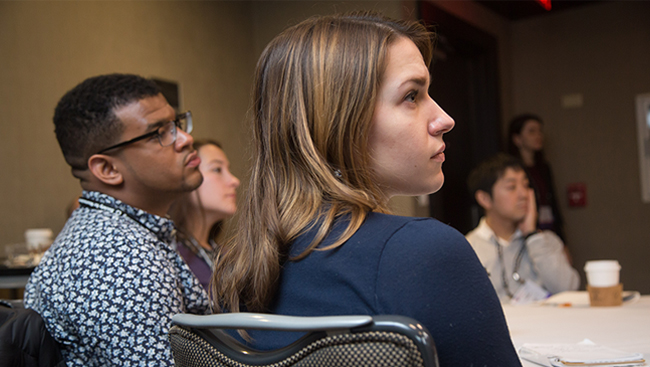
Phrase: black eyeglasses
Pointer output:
(165, 134)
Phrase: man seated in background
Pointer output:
(524, 264)
(111, 281)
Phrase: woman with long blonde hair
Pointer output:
(342, 122)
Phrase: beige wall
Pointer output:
(46, 48)
(601, 52)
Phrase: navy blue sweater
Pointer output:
(416, 267)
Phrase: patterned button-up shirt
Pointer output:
(110, 283)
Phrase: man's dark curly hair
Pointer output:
(488, 172)
(84, 118)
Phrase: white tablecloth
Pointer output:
(625, 327)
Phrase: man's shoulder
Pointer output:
(90, 239)
(475, 235)
(482, 232)
(88, 224)
(545, 237)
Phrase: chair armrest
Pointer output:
(257, 321)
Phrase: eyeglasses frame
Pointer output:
(188, 129)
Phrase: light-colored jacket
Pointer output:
(543, 260)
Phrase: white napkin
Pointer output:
(585, 353)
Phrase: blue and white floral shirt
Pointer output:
(110, 283)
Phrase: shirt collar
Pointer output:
(485, 232)
(163, 228)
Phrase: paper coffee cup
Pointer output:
(602, 273)
(38, 239)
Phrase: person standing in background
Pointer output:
(526, 142)
(199, 215)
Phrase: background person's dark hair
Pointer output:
(182, 211)
(486, 174)
(84, 118)
(515, 127)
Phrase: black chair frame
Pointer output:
(210, 329)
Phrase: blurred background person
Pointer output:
(526, 142)
(525, 264)
(199, 214)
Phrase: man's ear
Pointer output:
(483, 199)
(103, 167)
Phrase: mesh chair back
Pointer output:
(383, 341)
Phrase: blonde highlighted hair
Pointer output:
(315, 90)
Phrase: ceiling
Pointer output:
(522, 9)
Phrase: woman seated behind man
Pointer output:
(342, 122)
(199, 215)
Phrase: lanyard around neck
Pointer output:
(515, 270)
(202, 253)
(99, 206)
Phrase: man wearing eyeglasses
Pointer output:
(111, 281)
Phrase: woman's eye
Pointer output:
(217, 169)
(411, 97)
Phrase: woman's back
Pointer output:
(342, 122)
(402, 266)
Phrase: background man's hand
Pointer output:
(529, 223)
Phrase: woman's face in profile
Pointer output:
(531, 136)
(406, 146)
(218, 190)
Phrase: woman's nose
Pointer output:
(235, 181)
(442, 123)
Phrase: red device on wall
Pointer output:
(577, 194)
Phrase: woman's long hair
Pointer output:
(516, 126)
(314, 95)
(183, 211)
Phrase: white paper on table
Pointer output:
(582, 354)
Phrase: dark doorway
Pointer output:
(464, 82)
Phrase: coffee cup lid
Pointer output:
(38, 232)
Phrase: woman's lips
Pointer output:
(440, 155)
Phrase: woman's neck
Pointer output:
(528, 157)
(200, 231)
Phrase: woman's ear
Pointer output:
(103, 167)
(483, 199)
(516, 139)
